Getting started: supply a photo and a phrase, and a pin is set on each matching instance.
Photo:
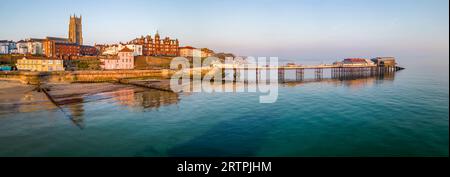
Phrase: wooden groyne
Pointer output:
(44, 89)
(162, 85)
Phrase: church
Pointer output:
(66, 48)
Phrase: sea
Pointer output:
(405, 114)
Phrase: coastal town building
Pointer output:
(110, 49)
(75, 30)
(357, 62)
(59, 49)
(157, 46)
(86, 50)
(35, 46)
(189, 51)
(100, 48)
(385, 61)
(49, 45)
(123, 60)
(22, 47)
(7, 47)
(114, 49)
(4, 49)
(57, 39)
(67, 50)
(30, 46)
(206, 52)
(40, 64)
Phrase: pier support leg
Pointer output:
(299, 74)
(281, 75)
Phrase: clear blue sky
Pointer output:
(307, 29)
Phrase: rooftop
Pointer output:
(354, 60)
(57, 39)
(187, 47)
(39, 58)
(126, 49)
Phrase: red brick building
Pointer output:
(86, 50)
(58, 49)
(157, 46)
(66, 50)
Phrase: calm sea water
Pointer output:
(406, 115)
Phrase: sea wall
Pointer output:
(28, 77)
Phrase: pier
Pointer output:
(339, 72)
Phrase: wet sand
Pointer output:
(17, 97)
(64, 94)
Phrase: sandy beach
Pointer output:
(16, 97)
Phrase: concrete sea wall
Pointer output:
(28, 77)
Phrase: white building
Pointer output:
(22, 47)
(30, 46)
(137, 49)
(4, 49)
(114, 49)
(189, 51)
(35, 48)
(7, 47)
(111, 50)
(124, 60)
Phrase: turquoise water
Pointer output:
(406, 115)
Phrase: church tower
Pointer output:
(75, 30)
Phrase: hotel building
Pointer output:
(157, 46)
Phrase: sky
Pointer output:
(290, 29)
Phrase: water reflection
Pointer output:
(152, 99)
(74, 106)
(75, 112)
(131, 98)
(353, 81)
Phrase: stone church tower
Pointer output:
(75, 30)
